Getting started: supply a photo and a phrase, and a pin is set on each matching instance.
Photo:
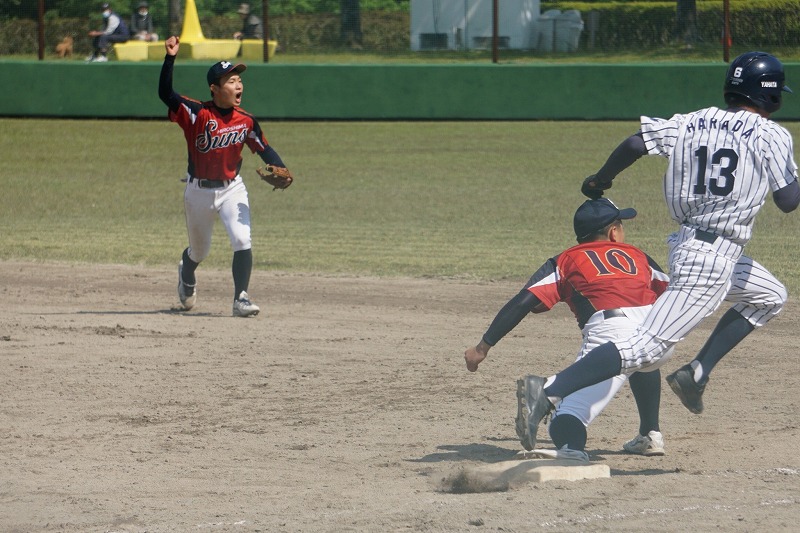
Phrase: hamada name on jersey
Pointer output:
(215, 139)
(596, 276)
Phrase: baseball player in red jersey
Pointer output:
(609, 286)
(216, 132)
(722, 164)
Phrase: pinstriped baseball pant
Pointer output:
(702, 276)
(587, 403)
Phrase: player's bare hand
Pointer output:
(172, 45)
(474, 356)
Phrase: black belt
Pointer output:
(613, 313)
(210, 184)
(704, 236)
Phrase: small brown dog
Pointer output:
(64, 48)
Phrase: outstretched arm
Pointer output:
(507, 319)
(621, 158)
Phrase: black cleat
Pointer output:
(532, 407)
(683, 384)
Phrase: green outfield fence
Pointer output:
(413, 59)
(498, 92)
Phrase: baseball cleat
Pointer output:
(647, 445)
(243, 307)
(532, 407)
(562, 454)
(683, 384)
(184, 289)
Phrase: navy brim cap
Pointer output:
(594, 215)
(223, 68)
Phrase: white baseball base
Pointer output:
(509, 473)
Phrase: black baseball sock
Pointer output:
(567, 429)
(598, 365)
(646, 388)
(730, 330)
(187, 271)
(242, 266)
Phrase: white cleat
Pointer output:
(243, 307)
(647, 445)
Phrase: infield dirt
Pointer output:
(346, 406)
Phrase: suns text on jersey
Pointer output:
(209, 140)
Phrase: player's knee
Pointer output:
(241, 244)
(774, 300)
(198, 254)
(781, 295)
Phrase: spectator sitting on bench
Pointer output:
(142, 24)
(114, 31)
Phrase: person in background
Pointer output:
(252, 27)
(142, 24)
(114, 31)
(350, 33)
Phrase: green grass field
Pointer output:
(474, 200)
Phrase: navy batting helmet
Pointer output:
(758, 77)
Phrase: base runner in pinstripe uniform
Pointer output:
(722, 164)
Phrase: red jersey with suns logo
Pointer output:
(597, 276)
(215, 137)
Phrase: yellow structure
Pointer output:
(194, 45)
(139, 50)
(254, 49)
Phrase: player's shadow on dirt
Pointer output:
(151, 312)
(486, 453)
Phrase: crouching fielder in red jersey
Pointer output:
(609, 286)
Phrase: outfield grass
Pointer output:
(475, 200)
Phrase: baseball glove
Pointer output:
(278, 177)
(593, 187)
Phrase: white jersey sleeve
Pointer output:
(781, 168)
(722, 164)
(660, 135)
